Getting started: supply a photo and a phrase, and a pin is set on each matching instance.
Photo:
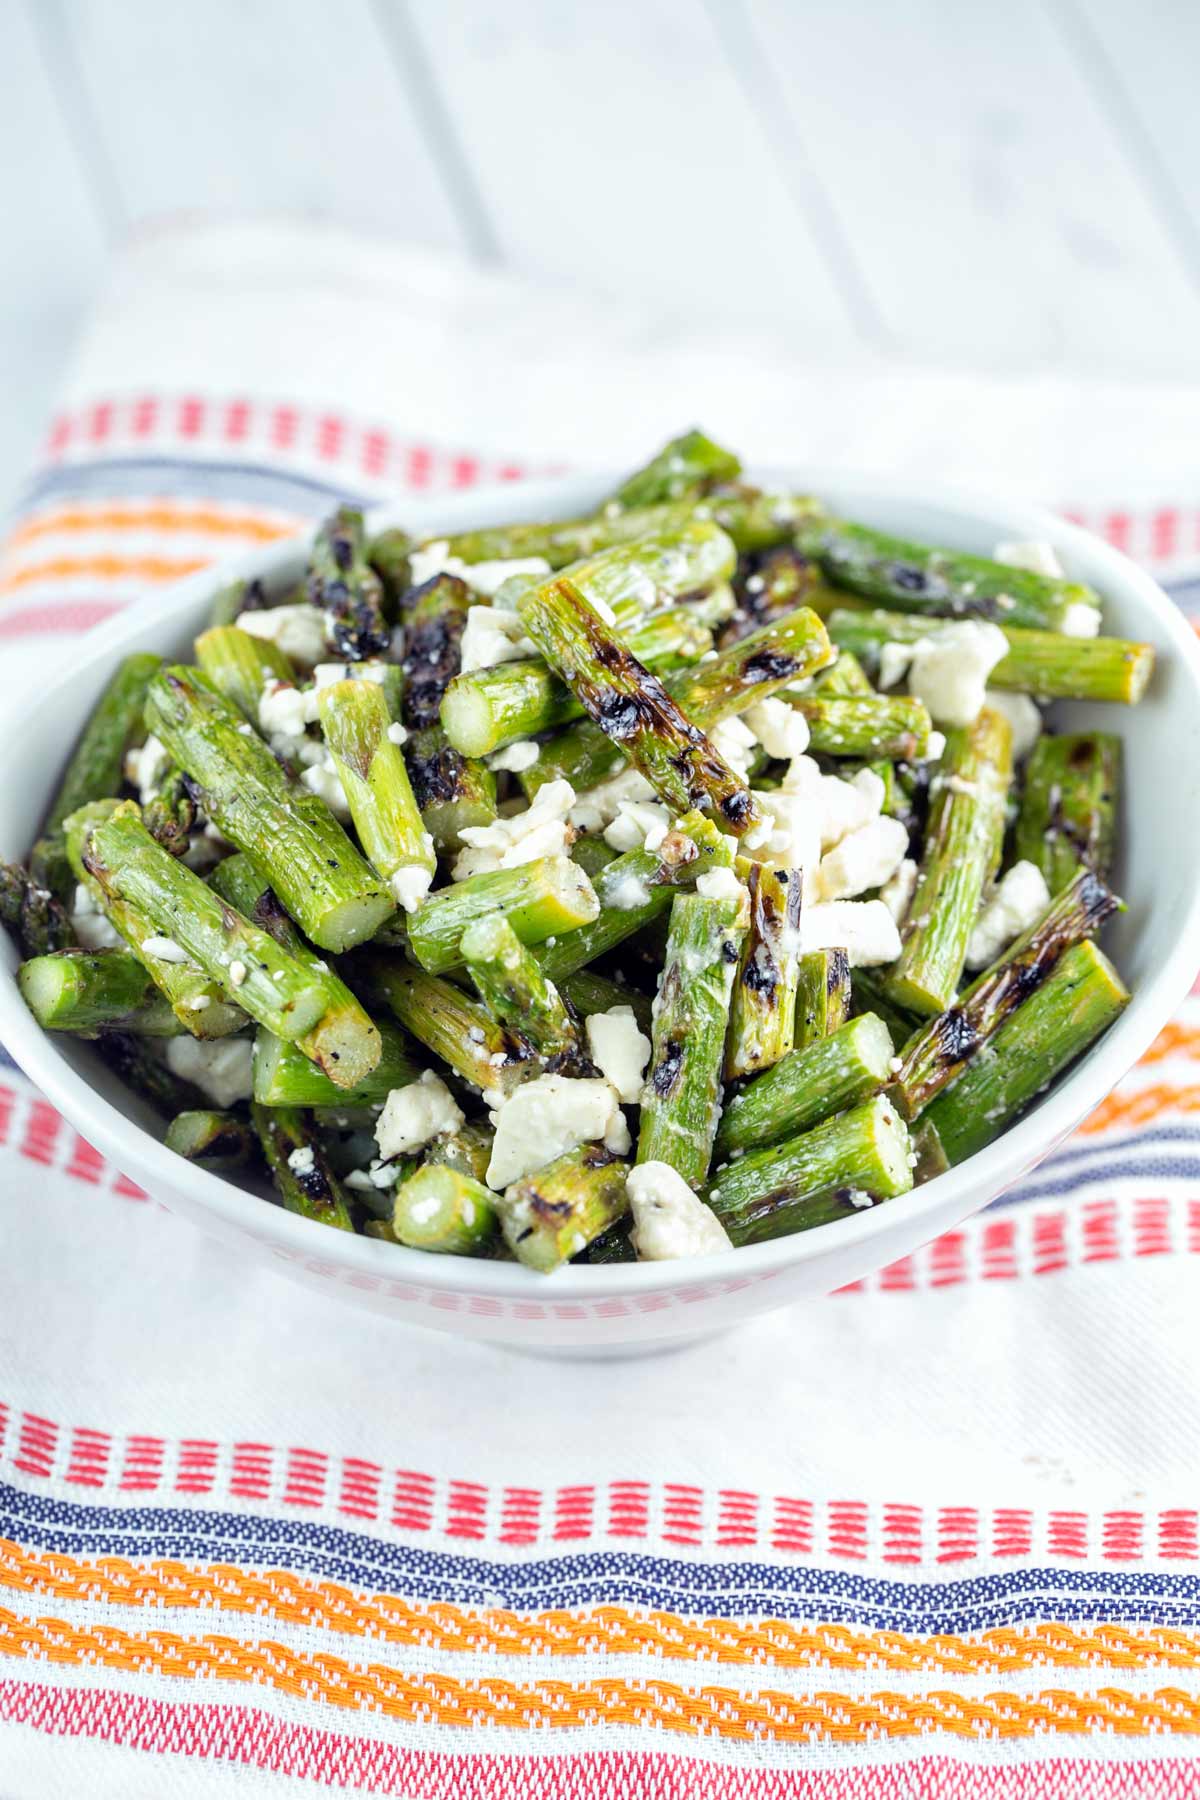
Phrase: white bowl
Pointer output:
(1156, 945)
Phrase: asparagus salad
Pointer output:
(637, 885)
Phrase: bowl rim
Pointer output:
(990, 1170)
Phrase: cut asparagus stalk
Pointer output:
(240, 666)
(136, 1062)
(455, 1028)
(36, 920)
(822, 995)
(444, 1211)
(96, 768)
(388, 553)
(934, 1057)
(844, 677)
(468, 1150)
(789, 650)
(1069, 807)
(754, 520)
(869, 993)
(452, 791)
(515, 989)
(614, 1245)
(590, 993)
(344, 585)
(345, 1025)
(553, 1214)
(633, 708)
(830, 1074)
(681, 1100)
(945, 583)
(689, 465)
(930, 1153)
(170, 815)
(434, 622)
(216, 1140)
(293, 999)
(762, 1017)
(289, 834)
(285, 1076)
(771, 586)
(886, 725)
(299, 1167)
(1054, 1025)
(488, 708)
(91, 991)
(200, 1004)
(961, 854)
(828, 1173)
(634, 889)
(380, 1229)
(541, 899)
(356, 723)
(1045, 664)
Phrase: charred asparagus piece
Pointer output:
(1068, 817)
(343, 584)
(828, 1075)
(299, 1167)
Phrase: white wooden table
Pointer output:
(944, 181)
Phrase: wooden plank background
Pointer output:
(942, 182)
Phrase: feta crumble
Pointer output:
(780, 729)
(326, 674)
(285, 710)
(298, 629)
(541, 830)
(492, 637)
(789, 836)
(164, 949)
(668, 1219)
(638, 824)
(949, 671)
(620, 1050)
(145, 766)
(93, 927)
(598, 806)
(897, 894)
(1024, 718)
(515, 757)
(397, 734)
(1033, 554)
(735, 743)
(237, 972)
(720, 884)
(865, 929)
(302, 1160)
(220, 1068)
(1080, 620)
(546, 1118)
(1017, 902)
(322, 780)
(414, 1114)
(410, 885)
(428, 560)
(864, 859)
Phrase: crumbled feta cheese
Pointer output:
(936, 748)
(782, 730)
(897, 894)
(1017, 902)
(1023, 717)
(145, 767)
(515, 757)
(492, 637)
(834, 807)
(237, 972)
(164, 949)
(619, 1050)
(1080, 620)
(414, 1114)
(864, 859)
(541, 830)
(789, 836)
(949, 671)
(599, 805)
(299, 630)
(198, 1002)
(628, 894)
(546, 1118)
(322, 779)
(428, 560)
(638, 824)
(735, 743)
(668, 1219)
(93, 927)
(410, 885)
(397, 734)
(285, 709)
(1033, 554)
(326, 674)
(893, 663)
(378, 1175)
(220, 1068)
(720, 884)
(302, 1160)
(865, 929)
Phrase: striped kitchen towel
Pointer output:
(938, 1535)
